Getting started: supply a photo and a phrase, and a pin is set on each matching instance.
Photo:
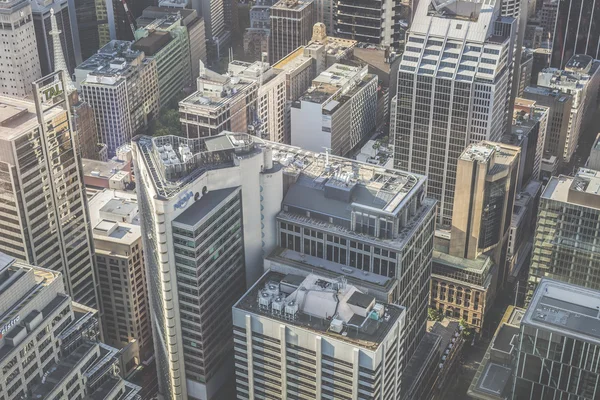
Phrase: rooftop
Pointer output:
(115, 61)
(485, 151)
(329, 307)
(336, 79)
(295, 5)
(493, 377)
(18, 116)
(215, 90)
(565, 309)
(293, 60)
(478, 265)
(175, 161)
(153, 43)
(582, 189)
(102, 169)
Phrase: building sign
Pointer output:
(9, 325)
(183, 199)
(51, 91)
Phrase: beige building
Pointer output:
(19, 59)
(462, 288)
(122, 277)
(486, 183)
(220, 103)
(271, 98)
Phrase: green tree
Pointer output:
(434, 315)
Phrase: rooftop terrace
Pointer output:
(329, 307)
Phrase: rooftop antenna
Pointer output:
(327, 149)
(59, 58)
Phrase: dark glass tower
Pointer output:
(577, 31)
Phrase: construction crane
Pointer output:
(130, 18)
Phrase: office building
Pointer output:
(593, 161)
(216, 30)
(488, 177)
(221, 103)
(121, 85)
(94, 22)
(556, 340)
(342, 337)
(522, 228)
(207, 190)
(271, 98)
(260, 20)
(528, 132)
(453, 90)
(495, 375)
(49, 347)
(109, 174)
(194, 26)
(43, 206)
(576, 31)
(548, 17)
(567, 228)
(559, 111)
(84, 122)
(291, 27)
(18, 52)
(525, 70)
(580, 79)
(166, 41)
(463, 288)
(366, 22)
(42, 13)
(337, 112)
(121, 273)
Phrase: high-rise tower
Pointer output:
(44, 218)
(453, 86)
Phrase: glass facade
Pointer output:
(566, 245)
(203, 256)
(555, 366)
(577, 31)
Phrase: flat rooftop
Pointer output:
(565, 309)
(329, 307)
(293, 60)
(484, 151)
(582, 189)
(201, 208)
(332, 80)
(216, 90)
(360, 184)
(478, 265)
(102, 169)
(295, 5)
(107, 199)
(18, 116)
(117, 59)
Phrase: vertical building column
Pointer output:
(355, 358)
(384, 376)
(283, 344)
(250, 357)
(318, 366)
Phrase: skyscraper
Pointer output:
(18, 51)
(94, 21)
(42, 12)
(45, 221)
(291, 27)
(576, 31)
(453, 90)
(216, 206)
(564, 246)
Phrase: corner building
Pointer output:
(202, 205)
